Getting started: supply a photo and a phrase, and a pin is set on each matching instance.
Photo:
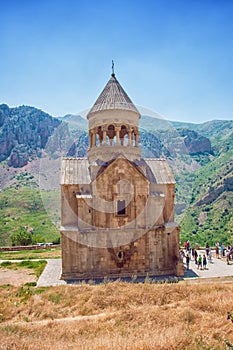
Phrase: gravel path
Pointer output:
(51, 274)
(57, 320)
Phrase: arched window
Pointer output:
(111, 131)
(121, 210)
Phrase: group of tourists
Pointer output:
(189, 254)
(222, 251)
(201, 259)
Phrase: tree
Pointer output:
(22, 237)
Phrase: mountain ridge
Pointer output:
(198, 154)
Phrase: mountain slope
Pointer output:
(22, 208)
(210, 214)
(24, 132)
(76, 122)
(32, 142)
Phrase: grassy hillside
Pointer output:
(22, 209)
(210, 214)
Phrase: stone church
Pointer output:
(117, 207)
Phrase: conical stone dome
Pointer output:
(112, 97)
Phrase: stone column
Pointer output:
(104, 136)
(93, 138)
(117, 134)
(137, 140)
(129, 137)
(90, 139)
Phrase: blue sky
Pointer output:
(174, 57)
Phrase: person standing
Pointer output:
(207, 249)
(228, 258)
(199, 262)
(195, 256)
(204, 262)
(217, 250)
(193, 253)
(210, 256)
(222, 248)
(187, 261)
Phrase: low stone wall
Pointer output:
(29, 247)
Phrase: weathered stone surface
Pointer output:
(146, 255)
(117, 208)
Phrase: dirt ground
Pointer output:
(16, 277)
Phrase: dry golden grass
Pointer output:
(127, 316)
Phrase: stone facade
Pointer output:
(117, 208)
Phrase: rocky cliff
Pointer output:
(24, 132)
(194, 142)
(214, 192)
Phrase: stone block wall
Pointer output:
(154, 253)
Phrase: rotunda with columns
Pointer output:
(113, 122)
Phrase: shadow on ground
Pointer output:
(190, 274)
